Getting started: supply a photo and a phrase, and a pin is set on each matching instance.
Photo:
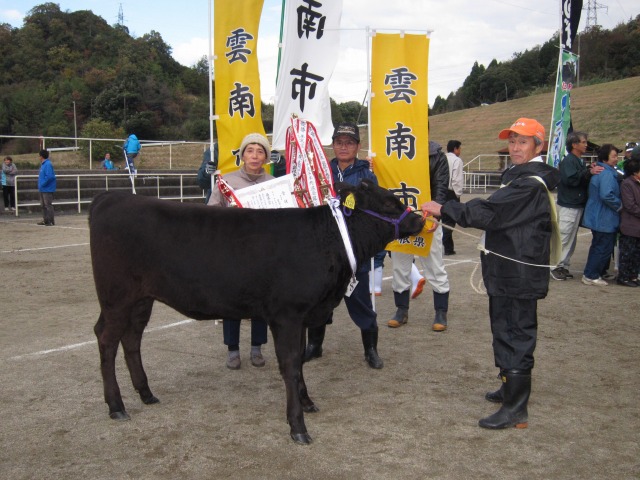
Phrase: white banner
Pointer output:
(310, 50)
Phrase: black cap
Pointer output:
(348, 129)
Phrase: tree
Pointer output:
(101, 129)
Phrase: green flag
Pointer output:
(561, 118)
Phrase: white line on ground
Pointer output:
(45, 248)
(171, 325)
(93, 342)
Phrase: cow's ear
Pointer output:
(366, 183)
(344, 187)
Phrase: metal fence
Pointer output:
(42, 141)
(87, 185)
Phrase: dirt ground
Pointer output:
(414, 419)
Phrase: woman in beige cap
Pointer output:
(254, 152)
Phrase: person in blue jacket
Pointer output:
(131, 148)
(346, 167)
(602, 216)
(46, 187)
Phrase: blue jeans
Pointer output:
(600, 253)
(231, 332)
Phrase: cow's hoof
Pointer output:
(310, 408)
(150, 401)
(119, 416)
(301, 438)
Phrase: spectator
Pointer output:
(454, 191)
(346, 167)
(9, 171)
(131, 149)
(629, 240)
(517, 220)
(206, 170)
(278, 164)
(433, 264)
(602, 216)
(107, 163)
(254, 152)
(628, 148)
(46, 187)
(572, 197)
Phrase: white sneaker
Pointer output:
(598, 281)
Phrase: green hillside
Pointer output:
(608, 112)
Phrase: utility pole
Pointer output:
(75, 124)
(120, 16)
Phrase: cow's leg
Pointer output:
(307, 404)
(109, 335)
(131, 341)
(288, 345)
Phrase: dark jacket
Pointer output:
(353, 174)
(630, 213)
(574, 182)
(438, 173)
(205, 171)
(517, 222)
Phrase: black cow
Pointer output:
(288, 266)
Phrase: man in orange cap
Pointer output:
(517, 220)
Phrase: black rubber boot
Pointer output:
(370, 343)
(401, 316)
(314, 345)
(441, 305)
(513, 412)
(498, 395)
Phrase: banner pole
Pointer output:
(210, 63)
(280, 39)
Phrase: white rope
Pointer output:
(484, 249)
(479, 288)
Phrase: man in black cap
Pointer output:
(346, 167)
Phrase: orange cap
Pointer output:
(524, 126)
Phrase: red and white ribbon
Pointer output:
(228, 193)
(313, 182)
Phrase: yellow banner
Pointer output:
(237, 81)
(399, 124)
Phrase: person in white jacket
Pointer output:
(454, 192)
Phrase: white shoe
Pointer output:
(598, 281)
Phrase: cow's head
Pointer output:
(382, 204)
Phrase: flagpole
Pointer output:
(555, 90)
(210, 63)
(280, 39)
(368, 94)
(371, 155)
